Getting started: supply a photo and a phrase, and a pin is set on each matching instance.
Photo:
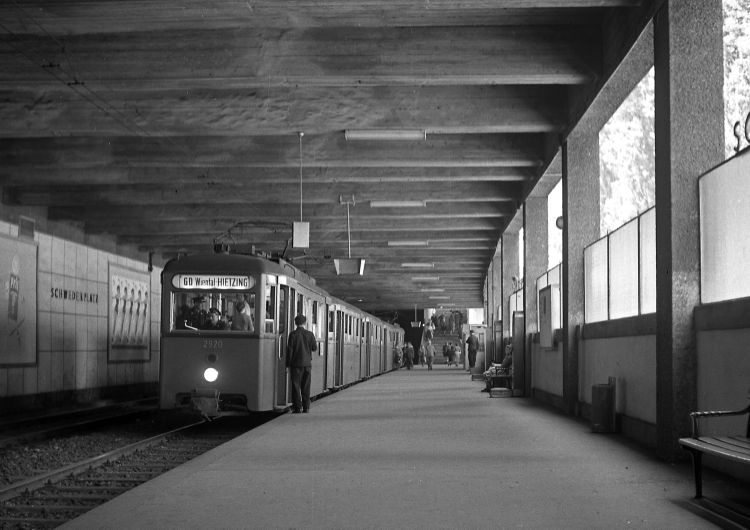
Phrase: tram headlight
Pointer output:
(210, 374)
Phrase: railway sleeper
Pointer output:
(74, 497)
(47, 508)
(37, 521)
(76, 489)
(115, 479)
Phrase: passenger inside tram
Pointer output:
(214, 322)
(235, 311)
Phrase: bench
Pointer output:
(735, 448)
(501, 381)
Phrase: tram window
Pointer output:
(192, 311)
(300, 305)
(314, 315)
(270, 309)
(330, 321)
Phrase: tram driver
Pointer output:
(214, 322)
(198, 315)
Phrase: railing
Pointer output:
(620, 271)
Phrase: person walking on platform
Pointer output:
(473, 343)
(408, 355)
(422, 352)
(299, 350)
(429, 353)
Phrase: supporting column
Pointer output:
(510, 270)
(497, 302)
(580, 166)
(536, 260)
(688, 61)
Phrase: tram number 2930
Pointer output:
(212, 344)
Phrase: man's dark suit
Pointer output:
(299, 361)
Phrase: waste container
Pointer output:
(603, 417)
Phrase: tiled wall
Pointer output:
(72, 335)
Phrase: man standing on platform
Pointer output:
(429, 353)
(473, 343)
(299, 360)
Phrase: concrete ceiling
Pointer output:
(172, 125)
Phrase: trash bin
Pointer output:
(603, 417)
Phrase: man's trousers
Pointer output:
(300, 387)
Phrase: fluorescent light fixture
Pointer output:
(433, 290)
(397, 204)
(384, 134)
(426, 278)
(349, 266)
(408, 243)
(440, 297)
(419, 265)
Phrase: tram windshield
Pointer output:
(213, 311)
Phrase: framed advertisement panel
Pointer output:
(18, 301)
(129, 323)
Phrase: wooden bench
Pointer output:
(735, 448)
(501, 381)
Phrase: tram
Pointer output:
(214, 366)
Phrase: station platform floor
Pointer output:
(414, 449)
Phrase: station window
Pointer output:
(192, 310)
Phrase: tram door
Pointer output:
(338, 365)
(368, 347)
(282, 377)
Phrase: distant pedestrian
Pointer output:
(299, 350)
(473, 343)
(422, 352)
(429, 353)
(456, 353)
(408, 355)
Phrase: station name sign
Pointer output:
(203, 281)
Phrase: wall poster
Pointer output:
(129, 315)
(18, 269)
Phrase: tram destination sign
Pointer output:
(212, 281)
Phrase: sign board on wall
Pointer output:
(129, 315)
(549, 314)
(18, 270)
(725, 222)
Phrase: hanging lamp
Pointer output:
(349, 265)
(301, 235)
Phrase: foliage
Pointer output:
(736, 68)
(626, 158)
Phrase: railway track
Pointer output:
(55, 497)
